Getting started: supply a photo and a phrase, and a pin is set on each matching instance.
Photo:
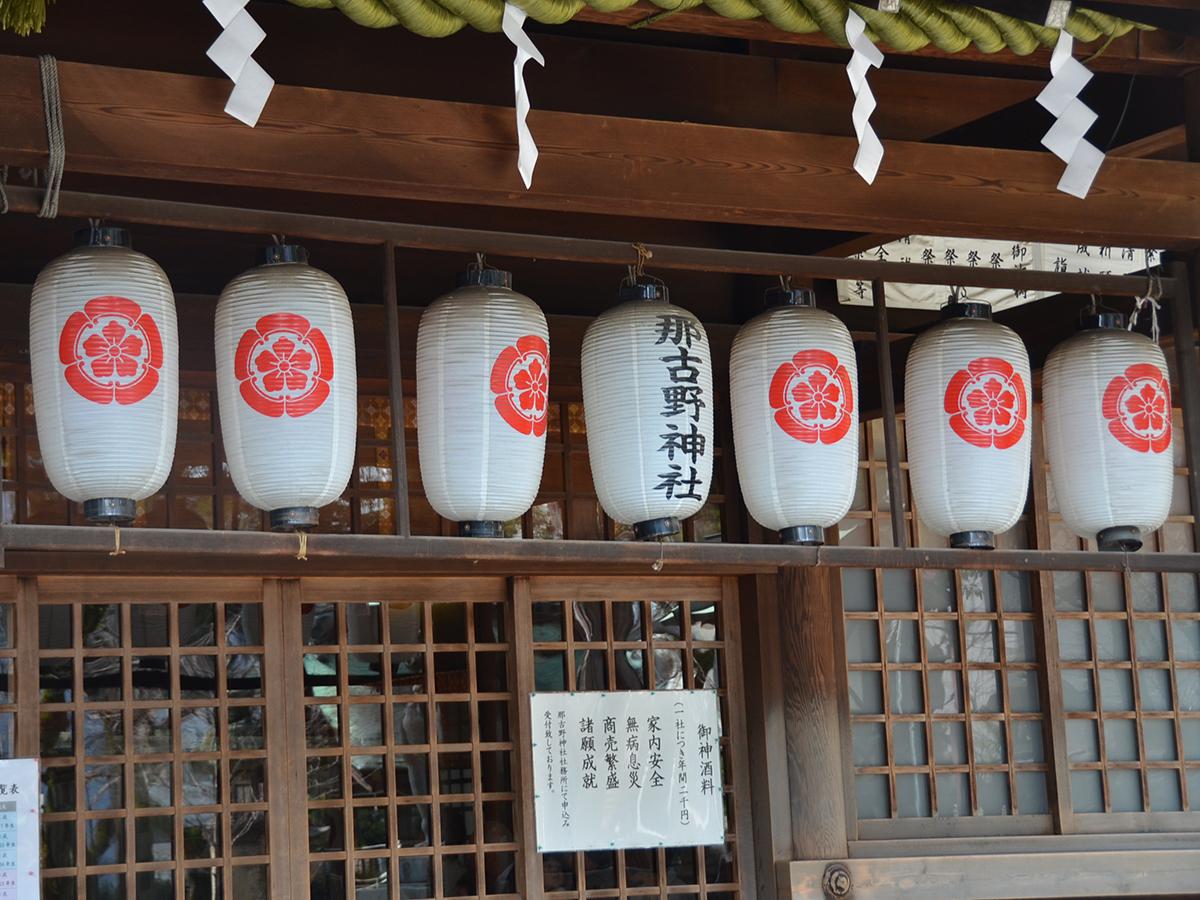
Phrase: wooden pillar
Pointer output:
(811, 709)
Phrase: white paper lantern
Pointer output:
(648, 406)
(104, 349)
(1107, 414)
(288, 387)
(794, 395)
(966, 406)
(483, 375)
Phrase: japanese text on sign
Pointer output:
(20, 833)
(627, 769)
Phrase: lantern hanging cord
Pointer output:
(55, 139)
(1149, 301)
(302, 552)
(116, 550)
(785, 282)
(278, 239)
(657, 565)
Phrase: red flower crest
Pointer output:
(1137, 406)
(112, 351)
(986, 403)
(521, 381)
(283, 366)
(813, 397)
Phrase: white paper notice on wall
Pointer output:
(626, 769)
(20, 831)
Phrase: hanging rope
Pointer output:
(55, 140)
(116, 550)
(657, 565)
(1150, 302)
(302, 553)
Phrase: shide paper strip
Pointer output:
(527, 151)
(1065, 139)
(866, 56)
(231, 51)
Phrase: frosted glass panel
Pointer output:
(1125, 790)
(870, 744)
(1120, 740)
(1019, 643)
(1151, 637)
(904, 693)
(988, 740)
(945, 692)
(1083, 745)
(1112, 640)
(1191, 738)
(1028, 743)
(1073, 641)
(1187, 640)
(1077, 690)
(1147, 592)
(872, 795)
(1158, 736)
(1068, 591)
(941, 640)
(1181, 589)
(1023, 691)
(862, 641)
(1164, 790)
(977, 593)
(985, 690)
(1155, 686)
(937, 586)
(858, 590)
(912, 796)
(992, 788)
(1188, 683)
(949, 743)
(866, 693)
(981, 641)
(1031, 794)
(1014, 589)
(1116, 690)
(954, 798)
(899, 591)
(1108, 594)
(903, 645)
(1086, 791)
(908, 744)
(1193, 782)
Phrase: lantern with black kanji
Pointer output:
(794, 395)
(483, 378)
(648, 406)
(288, 387)
(1107, 415)
(104, 350)
(966, 409)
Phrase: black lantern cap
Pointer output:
(967, 309)
(282, 253)
(642, 290)
(1101, 318)
(485, 277)
(803, 535)
(973, 540)
(110, 510)
(485, 528)
(1126, 538)
(295, 518)
(656, 529)
(778, 296)
(102, 236)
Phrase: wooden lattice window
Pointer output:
(606, 637)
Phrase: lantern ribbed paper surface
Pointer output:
(794, 396)
(104, 349)
(647, 400)
(287, 385)
(966, 406)
(1107, 414)
(483, 370)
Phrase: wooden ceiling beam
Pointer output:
(123, 122)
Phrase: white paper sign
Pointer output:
(626, 769)
(20, 833)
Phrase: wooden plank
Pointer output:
(1029, 875)
(1018, 844)
(814, 744)
(124, 122)
(739, 755)
(540, 246)
(293, 846)
(277, 684)
(27, 675)
(391, 310)
(1187, 369)
(530, 873)
(891, 429)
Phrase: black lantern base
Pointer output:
(1120, 537)
(481, 529)
(295, 518)
(110, 510)
(656, 529)
(973, 540)
(803, 535)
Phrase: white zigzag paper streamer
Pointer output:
(1065, 139)
(527, 151)
(231, 51)
(866, 56)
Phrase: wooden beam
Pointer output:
(395, 372)
(891, 429)
(171, 127)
